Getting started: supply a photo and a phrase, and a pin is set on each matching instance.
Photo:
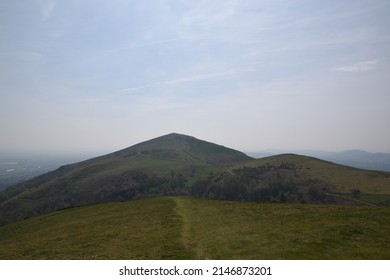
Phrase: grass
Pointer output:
(377, 199)
(148, 229)
(228, 230)
(190, 228)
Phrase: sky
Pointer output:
(248, 74)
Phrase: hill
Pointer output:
(361, 159)
(190, 228)
(166, 165)
(177, 164)
(354, 158)
(183, 148)
(297, 179)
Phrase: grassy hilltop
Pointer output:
(190, 228)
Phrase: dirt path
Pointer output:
(189, 239)
(346, 198)
(351, 199)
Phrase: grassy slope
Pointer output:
(189, 228)
(286, 231)
(343, 178)
(148, 229)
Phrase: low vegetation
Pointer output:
(191, 228)
(148, 229)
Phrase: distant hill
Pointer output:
(361, 159)
(340, 178)
(296, 179)
(177, 164)
(190, 228)
(354, 158)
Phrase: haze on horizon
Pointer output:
(251, 75)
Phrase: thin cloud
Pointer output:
(206, 14)
(141, 87)
(194, 78)
(159, 42)
(47, 8)
(334, 42)
(210, 76)
(362, 66)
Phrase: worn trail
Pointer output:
(188, 237)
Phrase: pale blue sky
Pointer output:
(249, 74)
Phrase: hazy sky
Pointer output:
(248, 74)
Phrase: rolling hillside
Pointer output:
(325, 178)
(190, 228)
(177, 164)
(354, 158)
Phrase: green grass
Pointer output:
(372, 198)
(228, 230)
(148, 229)
(190, 228)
